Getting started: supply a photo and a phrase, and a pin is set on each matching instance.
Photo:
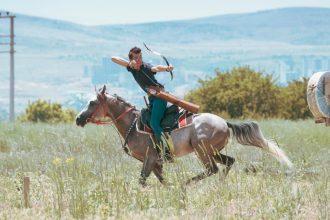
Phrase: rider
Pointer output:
(144, 73)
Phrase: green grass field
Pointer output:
(84, 173)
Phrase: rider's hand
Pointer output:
(132, 64)
(170, 68)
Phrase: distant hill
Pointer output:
(288, 25)
(52, 55)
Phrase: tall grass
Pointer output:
(84, 173)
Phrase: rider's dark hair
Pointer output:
(134, 50)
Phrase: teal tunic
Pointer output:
(145, 78)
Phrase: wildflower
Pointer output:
(104, 209)
(69, 160)
(57, 161)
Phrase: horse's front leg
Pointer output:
(149, 163)
(158, 171)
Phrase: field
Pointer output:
(84, 173)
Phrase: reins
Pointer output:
(99, 122)
(113, 121)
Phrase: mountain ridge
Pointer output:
(60, 58)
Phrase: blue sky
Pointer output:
(124, 11)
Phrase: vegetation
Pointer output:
(245, 93)
(43, 111)
(83, 173)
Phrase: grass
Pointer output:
(84, 173)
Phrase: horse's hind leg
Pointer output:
(225, 160)
(209, 163)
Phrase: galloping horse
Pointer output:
(207, 135)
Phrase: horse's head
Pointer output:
(95, 108)
(102, 106)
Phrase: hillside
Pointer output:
(52, 54)
(288, 25)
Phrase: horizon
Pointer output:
(160, 21)
(98, 13)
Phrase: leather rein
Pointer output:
(105, 112)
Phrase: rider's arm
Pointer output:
(120, 61)
(161, 68)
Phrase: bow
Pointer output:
(162, 56)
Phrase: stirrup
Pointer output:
(166, 150)
(163, 150)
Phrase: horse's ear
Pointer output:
(103, 90)
(101, 93)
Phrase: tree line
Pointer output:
(245, 93)
(239, 93)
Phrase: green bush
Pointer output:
(43, 111)
(245, 93)
(4, 146)
(294, 103)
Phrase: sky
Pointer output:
(97, 12)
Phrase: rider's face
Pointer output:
(137, 59)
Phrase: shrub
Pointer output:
(43, 111)
(245, 93)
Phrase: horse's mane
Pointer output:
(123, 100)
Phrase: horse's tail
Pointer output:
(249, 133)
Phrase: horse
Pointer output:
(207, 135)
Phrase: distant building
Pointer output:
(106, 72)
(282, 69)
(317, 65)
(305, 66)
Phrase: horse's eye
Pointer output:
(92, 103)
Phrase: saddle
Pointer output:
(174, 118)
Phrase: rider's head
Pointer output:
(135, 56)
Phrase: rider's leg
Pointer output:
(157, 113)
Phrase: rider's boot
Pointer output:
(166, 149)
(163, 150)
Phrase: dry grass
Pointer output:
(83, 173)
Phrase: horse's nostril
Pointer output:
(79, 120)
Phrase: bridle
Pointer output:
(105, 109)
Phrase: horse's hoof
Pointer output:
(250, 169)
(144, 185)
(189, 183)
(226, 171)
(290, 172)
(143, 182)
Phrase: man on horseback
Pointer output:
(144, 73)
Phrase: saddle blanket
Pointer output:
(184, 120)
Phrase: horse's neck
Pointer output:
(124, 123)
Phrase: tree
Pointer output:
(43, 111)
(241, 92)
(294, 103)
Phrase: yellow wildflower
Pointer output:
(69, 160)
(57, 161)
(104, 210)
